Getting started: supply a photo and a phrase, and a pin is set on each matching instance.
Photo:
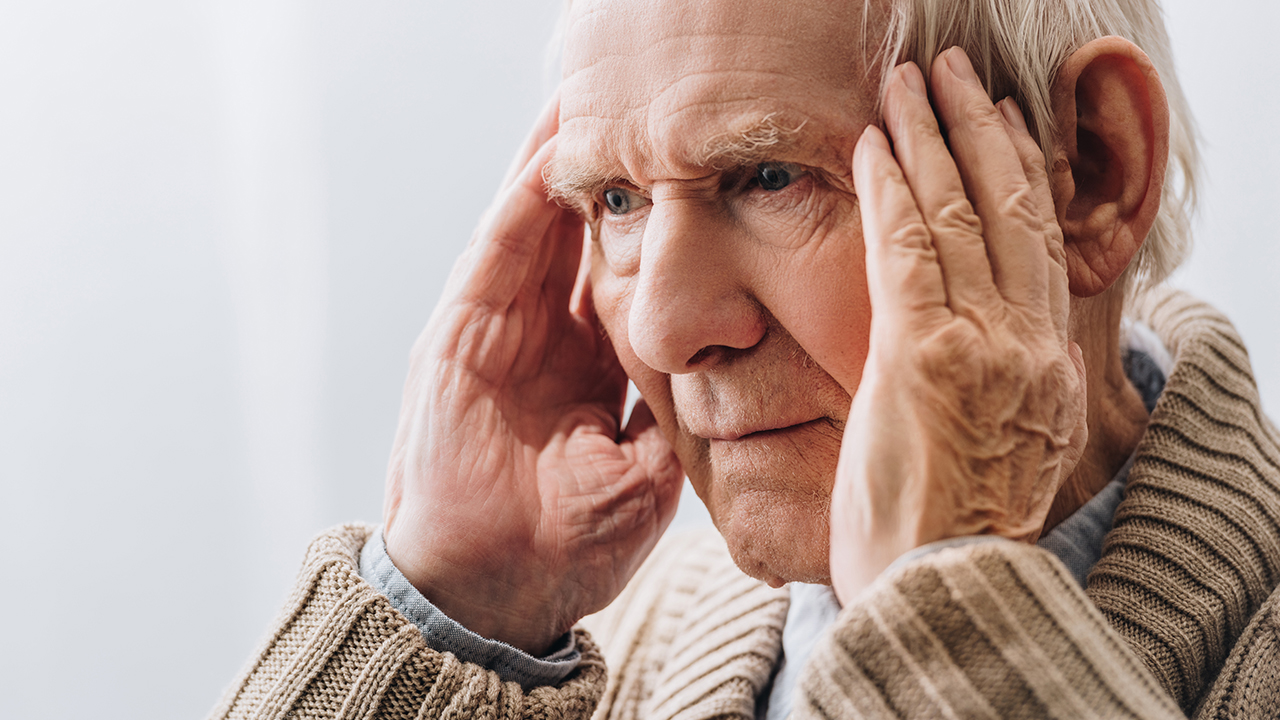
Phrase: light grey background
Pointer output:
(222, 224)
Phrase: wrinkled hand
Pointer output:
(971, 409)
(515, 502)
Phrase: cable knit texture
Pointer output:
(340, 650)
(1179, 617)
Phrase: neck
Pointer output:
(1117, 417)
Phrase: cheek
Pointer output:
(611, 298)
(618, 242)
(820, 296)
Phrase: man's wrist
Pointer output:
(501, 623)
(481, 602)
(444, 633)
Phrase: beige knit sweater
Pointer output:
(1179, 618)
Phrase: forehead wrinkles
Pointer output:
(674, 74)
(823, 34)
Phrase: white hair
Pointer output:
(1016, 47)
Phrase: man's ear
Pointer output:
(1112, 146)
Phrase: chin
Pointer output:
(777, 536)
(770, 497)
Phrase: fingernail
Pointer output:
(874, 138)
(960, 66)
(912, 78)
(1012, 113)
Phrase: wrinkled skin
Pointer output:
(734, 286)
(971, 413)
(516, 501)
(741, 314)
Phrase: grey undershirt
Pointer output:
(1077, 542)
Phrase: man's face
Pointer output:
(712, 140)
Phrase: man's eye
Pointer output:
(774, 176)
(621, 201)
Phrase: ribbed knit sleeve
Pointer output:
(997, 630)
(1249, 684)
(1181, 614)
(1195, 549)
(340, 650)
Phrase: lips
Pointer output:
(761, 431)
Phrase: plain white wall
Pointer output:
(222, 224)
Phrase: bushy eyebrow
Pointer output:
(573, 180)
(760, 141)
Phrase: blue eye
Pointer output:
(774, 176)
(618, 201)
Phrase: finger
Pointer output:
(1029, 155)
(545, 128)
(656, 457)
(939, 192)
(904, 279)
(547, 124)
(506, 252)
(1033, 166)
(1080, 434)
(580, 302)
(993, 178)
(612, 387)
(554, 272)
(561, 257)
(640, 422)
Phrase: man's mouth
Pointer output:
(761, 432)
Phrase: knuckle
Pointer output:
(914, 270)
(958, 356)
(925, 128)
(1021, 206)
(1034, 168)
(514, 243)
(887, 175)
(911, 238)
(956, 216)
(981, 114)
(999, 390)
(992, 374)
(1055, 244)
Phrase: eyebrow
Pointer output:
(760, 141)
(571, 180)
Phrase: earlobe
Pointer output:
(1110, 154)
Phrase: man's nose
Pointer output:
(693, 303)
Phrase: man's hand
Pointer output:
(515, 501)
(971, 410)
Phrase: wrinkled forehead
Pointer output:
(674, 71)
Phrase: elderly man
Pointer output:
(876, 319)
